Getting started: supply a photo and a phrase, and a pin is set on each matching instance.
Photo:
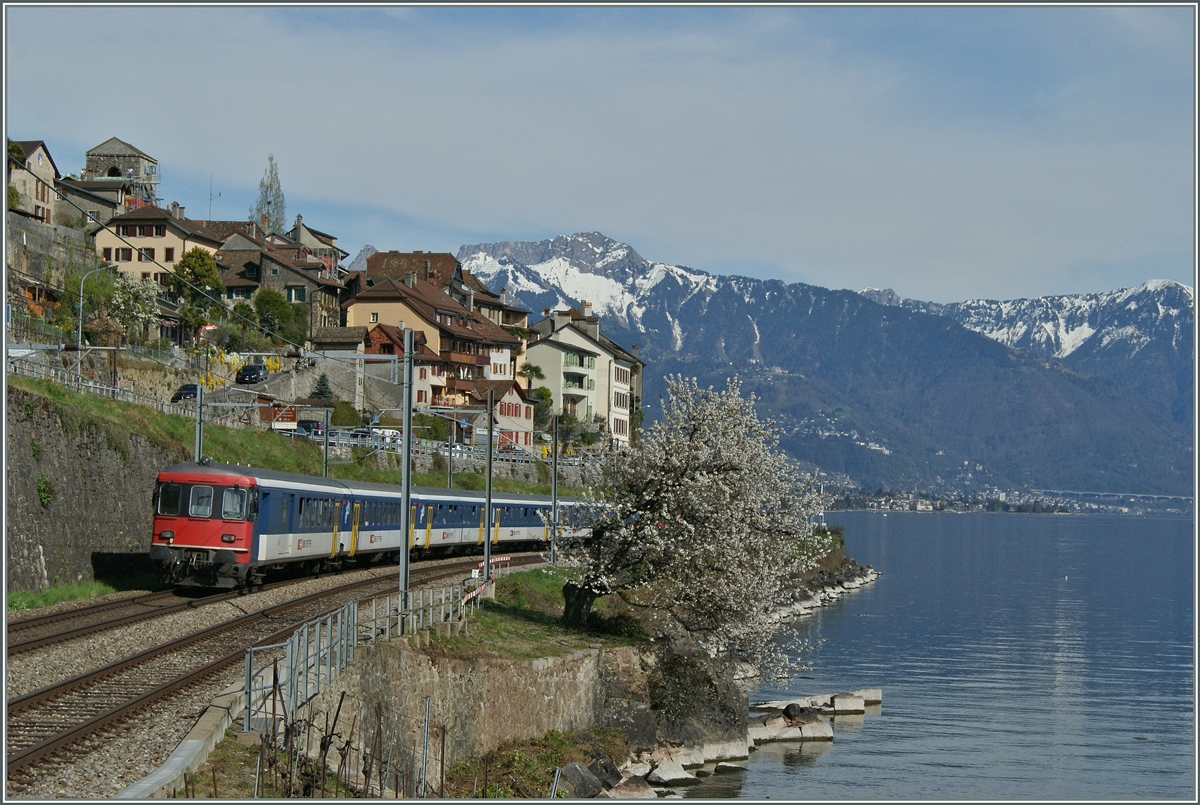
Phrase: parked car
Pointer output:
(252, 373)
(314, 427)
(188, 391)
(388, 435)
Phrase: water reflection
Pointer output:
(1021, 657)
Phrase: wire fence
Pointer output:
(67, 377)
(303, 737)
(23, 328)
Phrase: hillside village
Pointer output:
(289, 295)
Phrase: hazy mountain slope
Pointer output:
(889, 395)
(1140, 338)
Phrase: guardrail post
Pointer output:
(248, 689)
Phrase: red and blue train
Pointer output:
(228, 526)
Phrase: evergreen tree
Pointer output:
(273, 309)
(202, 286)
(321, 390)
(270, 199)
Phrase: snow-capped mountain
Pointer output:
(887, 394)
(360, 260)
(1141, 337)
(589, 266)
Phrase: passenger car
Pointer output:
(188, 391)
(252, 373)
(222, 525)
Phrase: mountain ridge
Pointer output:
(879, 392)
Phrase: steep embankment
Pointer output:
(78, 488)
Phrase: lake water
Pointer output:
(1020, 657)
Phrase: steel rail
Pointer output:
(27, 756)
(30, 644)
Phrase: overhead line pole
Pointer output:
(487, 534)
(554, 497)
(405, 462)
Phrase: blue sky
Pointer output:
(948, 153)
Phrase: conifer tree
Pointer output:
(270, 198)
(321, 390)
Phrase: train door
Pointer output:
(355, 514)
(337, 521)
(427, 513)
(283, 546)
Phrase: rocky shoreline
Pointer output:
(661, 772)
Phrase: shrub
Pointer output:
(45, 491)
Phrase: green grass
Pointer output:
(116, 421)
(74, 591)
(523, 622)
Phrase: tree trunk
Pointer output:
(577, 604)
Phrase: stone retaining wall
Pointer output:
(481, 702)
(98, 489)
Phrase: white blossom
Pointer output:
(708, 521)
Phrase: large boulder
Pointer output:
(582, 784)
(695, 700)
(632, 788)
(668, 772)
(606, 772)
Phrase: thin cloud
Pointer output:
(948, 154)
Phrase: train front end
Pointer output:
(204, 516)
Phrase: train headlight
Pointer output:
(227, 538)
(166, 536)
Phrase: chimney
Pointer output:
(410, 279)
(262, 220)
(427, 271)
(504, 296)
(585, 307)
(470, 300)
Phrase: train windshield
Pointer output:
(169, 498)
(199, 500)
(233, 504)
(201, 505)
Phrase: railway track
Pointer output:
(47, 720)
(45, 630)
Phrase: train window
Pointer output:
(170, 496)
(202, 500)
(233, 504)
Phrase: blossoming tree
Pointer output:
(708, 521)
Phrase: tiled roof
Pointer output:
(158, 215)
(114, 146)
(426, 300)
(225, 229)
(338, 335)
(394, 265)
(29, 146)
(421, 350)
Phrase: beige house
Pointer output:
(470, 347)
(35, 180)
(142, 240)
(590, 376)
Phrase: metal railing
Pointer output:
(23, 328)
(68, 378)
(317, 652)
(312, 657)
